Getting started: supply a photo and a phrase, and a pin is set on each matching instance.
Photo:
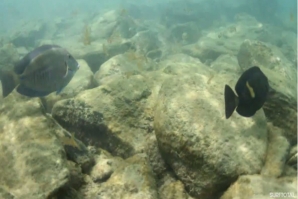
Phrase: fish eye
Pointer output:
(69, 56)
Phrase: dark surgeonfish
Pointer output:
(46, 69)
(252, 89)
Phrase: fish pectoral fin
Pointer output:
(231, 101)
(30, 92)
(59, 90)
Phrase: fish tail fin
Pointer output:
(9, 81)
(231, 101)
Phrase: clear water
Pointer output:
(71, 17)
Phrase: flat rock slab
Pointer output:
(33, 162)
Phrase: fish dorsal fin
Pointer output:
(20, 67)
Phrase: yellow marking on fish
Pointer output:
(251, 90)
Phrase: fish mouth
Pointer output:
(74, 70)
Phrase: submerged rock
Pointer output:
(68, 193)
(77, 152)
(105, 36)
(194, 137)
(224, 39)
(123, 66)
(76, 175)
(292, 159)
(9, 56)
(149, 99)
(110, 116)
(4, 193)
(117, 25)
(226, 64)
(280, 108)
(185, 33)
(29, 33)
(253, 52)
(172, 189)
(157, 163)
(33, 161)
(99, 52)
(105, 166)
(259, 187)
(277, 152)
(118, 115)
(133, 179)
(149, 43)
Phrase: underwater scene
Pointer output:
(148, 99)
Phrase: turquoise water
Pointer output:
(14, 11)
(150, 83)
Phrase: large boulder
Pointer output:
(194, 137)
(111, 116)
(123, 65)
(280, 108)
